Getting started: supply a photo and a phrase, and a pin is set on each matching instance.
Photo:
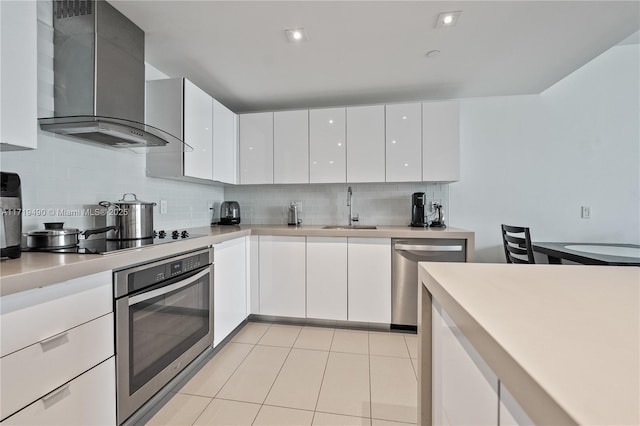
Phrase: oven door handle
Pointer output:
(168, 289)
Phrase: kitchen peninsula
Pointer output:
(561, 342)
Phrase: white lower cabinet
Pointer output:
(230, 287)
(52, 339)
(369, 280)
(327, 278)
(465, 389)
(282, 276)
(89, 399)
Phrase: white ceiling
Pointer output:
(361, 52)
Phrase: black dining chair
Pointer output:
(517, 244)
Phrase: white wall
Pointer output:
(535, 160)
(377, 204)
(67, 175)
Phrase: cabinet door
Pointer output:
(327, 147)
(282, 276)
(327, 278)
(465, 389)
(18, 75)
(291, 146)
(225, 144)
(230, 288)
(404, 142)
(198, 132)
(365, 144)
(441, 141)
(256, 148)
(89, 399)
(369, 278)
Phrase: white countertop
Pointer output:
(565, 339)
(33, 270)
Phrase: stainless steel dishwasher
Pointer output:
(404, 273)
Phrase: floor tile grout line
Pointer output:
(234, 370)
(280, 370)
(323, 374)
(412, 366)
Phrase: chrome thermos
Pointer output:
(10, 215)
(293, 218)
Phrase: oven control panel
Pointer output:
(164, 270)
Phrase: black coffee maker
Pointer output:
(418, 201)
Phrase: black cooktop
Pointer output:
(104, 246)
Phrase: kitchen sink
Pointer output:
(349, 227)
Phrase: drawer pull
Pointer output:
(54, 341)
(56, 395)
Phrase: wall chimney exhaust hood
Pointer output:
(99, 79)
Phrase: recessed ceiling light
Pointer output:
(448, 19)
(296, 35)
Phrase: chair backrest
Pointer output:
(517, 244)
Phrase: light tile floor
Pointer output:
(272, 374)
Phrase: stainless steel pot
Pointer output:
(54, 236)
(132, 219)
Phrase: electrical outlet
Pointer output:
(585, 212)
(163, 206)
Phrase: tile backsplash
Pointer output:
(63, 176)
(321, 204)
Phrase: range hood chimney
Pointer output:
(99, 78)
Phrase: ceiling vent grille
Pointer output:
(71, 8)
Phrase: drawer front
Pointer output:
(36, 370)
(90, 399)
(35, 315)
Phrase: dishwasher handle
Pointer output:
(425, 247)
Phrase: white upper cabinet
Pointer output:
(327, 145)
(441, 141)
(225, 144)
(180, 108)
(256, 148)
(365, 144)
(18, 75)
(198, 132)
(291, 146)
(404, 142)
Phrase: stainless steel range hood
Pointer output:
(99, 78)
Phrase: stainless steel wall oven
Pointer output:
(164, 320)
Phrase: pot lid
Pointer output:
(53, 232)
(134, 201)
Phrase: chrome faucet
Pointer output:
(349, 195)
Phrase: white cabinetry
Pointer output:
(256, 148)
(465, 389)
(198, 132)
(18, 75)
(327, 278)
(230, 287)
(404, 142)
(225, 144)
(369, 278)
(291, 146)
(282, 276)
(327, 145)
(52, 338)
(365, 144)
(441, 141)
(179, 107)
